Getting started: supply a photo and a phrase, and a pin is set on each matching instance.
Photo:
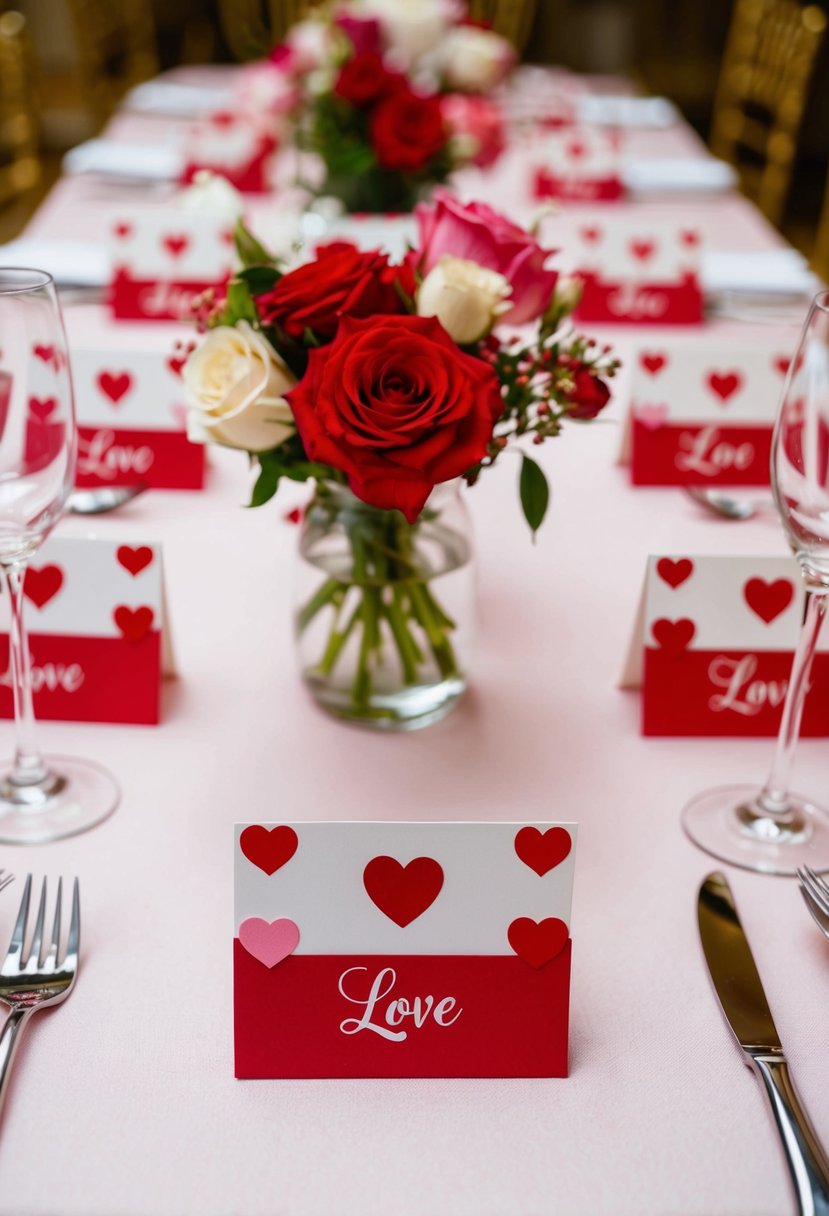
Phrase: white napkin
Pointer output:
(70, 263)
(110, 158)
(604, 110)
(177, 100)
(772, 272)
(688, 175)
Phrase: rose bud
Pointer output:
(234, 386)
(588, 395)
(466, 298)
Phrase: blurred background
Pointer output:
(752, 76)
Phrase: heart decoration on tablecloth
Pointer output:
(543, 851)
(134, 560)
(403, 892)
(134, 623)
(42, 585)
(269, 942)
(269, 849)
(768, 600)
(537, 942)
(674, 573)
(674, 637)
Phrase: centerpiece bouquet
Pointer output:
(387, 385)
(392, 95)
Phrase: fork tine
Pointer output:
(19, 931)
(52, 955)
(814, 911)
(74, 940)
(33, 957)
(818, 880)
(808, 882)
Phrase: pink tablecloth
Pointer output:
(124, 1101)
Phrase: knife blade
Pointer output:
(740, 992)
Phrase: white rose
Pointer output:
(310, 40)
(234, 386)
(411, 28)
(213, 194)
(475, 60)
(466, 298)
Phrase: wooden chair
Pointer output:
(19, 161)
(762, 92)
(252, 27)
(116, 49)
(512, 19)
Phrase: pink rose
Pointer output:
(362, 32)
(479, 234)
(476, 124)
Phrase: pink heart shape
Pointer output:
(652, 417)
(269, 943)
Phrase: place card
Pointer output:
(713, 644)
(236, 147)
(130, 404)
(98, 635)
(636, 272)
(578, 164)
(703, 412)
(402, 949)
(162, 259)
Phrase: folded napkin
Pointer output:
(605, 110)
(110, 158)
(70, 263)
(686, 176)
(177, 100)
(772, 272)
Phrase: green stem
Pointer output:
(331, 592)
(410, 653)
(369, 610)
(439, 643)
(336, 641)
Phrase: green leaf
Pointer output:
(250, 251)
(259, 278)
(240, 306)
(265, 486)
(535, 493)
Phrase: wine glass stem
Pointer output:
(774, 796)
(29, 767)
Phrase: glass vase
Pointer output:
(384, 608)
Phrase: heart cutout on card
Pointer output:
(403, 892)
(42, 585)
(674, 573)
(175, 244)
(542, 851)
(642, 250)
(269, 943)
(134, 623)
(674, 637)
(651, 417)
(768, 600)
(269, 849)
(538, 942)
(41, 408)
(724, 384)
(134, 560)
(652, 363)
(591, 235)
(114, 385)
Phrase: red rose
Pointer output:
(341, 281)
(396, 406)
(364, 79)
(589, 394)
(407, 131)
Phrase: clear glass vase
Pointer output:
(384, 608)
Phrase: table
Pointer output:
(124, 1101)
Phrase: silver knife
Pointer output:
(747, 1012)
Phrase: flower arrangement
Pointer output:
(392, 95)
(383, 381)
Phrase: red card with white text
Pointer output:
(162, 259)
(98, 636)
(635, 272)
(130, 403)
(713, 647)
(235, 146)
(702, 412)
(578, 164)
(402, 949)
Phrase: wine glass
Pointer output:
(41, 797)
(771, 829)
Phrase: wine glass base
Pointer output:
(728, 823)
(77, 795)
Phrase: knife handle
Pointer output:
(807, 1162)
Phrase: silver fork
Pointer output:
(39, 980)
(815, 892)
(5, 879)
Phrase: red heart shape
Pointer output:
(537, 942)
(176, 363)
(41, 409)
(403, 892)
(689, 237)
(122, 231)
(175, 245)
(44, 353)
(542, 851)
(781, 364)
(134, 560)
(576, 150)
(642, 250)
(223, 118)
(269, 849)
(673, 636)
(114, 385)
(674, 573)
(768, 600)
(134, 623)
(42, 585)
(724, 384)
(591, 235)
(652, 364)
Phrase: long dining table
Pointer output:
(124, 1101)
